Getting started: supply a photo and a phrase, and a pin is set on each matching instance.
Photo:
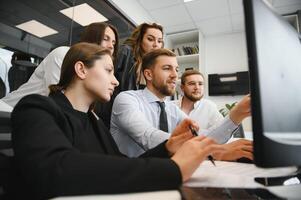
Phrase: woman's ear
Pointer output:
(80, 70)
(148, 74)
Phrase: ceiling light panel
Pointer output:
(84, 14)
(36, 28)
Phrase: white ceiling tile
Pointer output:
(171, 16)
(215, 26)
(236, 6)
(204, 9)
(151, 5)
(238, 22)
(280, 3)
(288, 9)
(179, 28)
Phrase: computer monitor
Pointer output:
(274, 56)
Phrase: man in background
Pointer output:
(203, 111)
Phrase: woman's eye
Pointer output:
(109, 70)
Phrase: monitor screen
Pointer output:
(274, 55)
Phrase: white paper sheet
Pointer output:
(233, 175)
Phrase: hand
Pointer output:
(193, 152)
(241, 110)
(235, 150)
(180, 135)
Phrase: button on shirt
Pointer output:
(135, 121)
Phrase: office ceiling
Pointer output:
(14, 12)
(212, 17)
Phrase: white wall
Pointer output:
(225, 54)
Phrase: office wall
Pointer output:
(226, 54)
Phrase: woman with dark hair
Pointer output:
(145, 38)
(63, 148)
(48, 72)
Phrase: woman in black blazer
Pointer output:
(62, 148)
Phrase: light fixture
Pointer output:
(83, 14)
(36, 28)
(185, 1)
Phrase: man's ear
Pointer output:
(148, 74)
(80, 70)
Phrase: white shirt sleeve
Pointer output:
(129, 119)
(221, 133)
(52, 66)
(48, 72)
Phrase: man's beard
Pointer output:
(164, 90)
(192, 97)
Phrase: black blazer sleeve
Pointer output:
(52, 167)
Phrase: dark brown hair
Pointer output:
(149, 59)
(135, 40)
(85, 52)
(94, 33)
(189, 73)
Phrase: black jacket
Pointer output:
(52, 163)
(124, 69)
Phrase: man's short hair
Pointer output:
(149, 59)
(189, 73)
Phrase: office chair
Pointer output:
(21, 70)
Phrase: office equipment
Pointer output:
(228, 84)
(274, 51)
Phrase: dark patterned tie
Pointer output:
(163, 117)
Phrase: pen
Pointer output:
(193, 131)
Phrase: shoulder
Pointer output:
(36, 101)
(59, 52)
(125, 50)
(129, 94)
(129, 97)
(208, 102)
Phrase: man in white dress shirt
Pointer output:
(135, 115)
(203, 111)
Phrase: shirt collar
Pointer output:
(150, 97)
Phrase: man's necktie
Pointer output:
(163, 117)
